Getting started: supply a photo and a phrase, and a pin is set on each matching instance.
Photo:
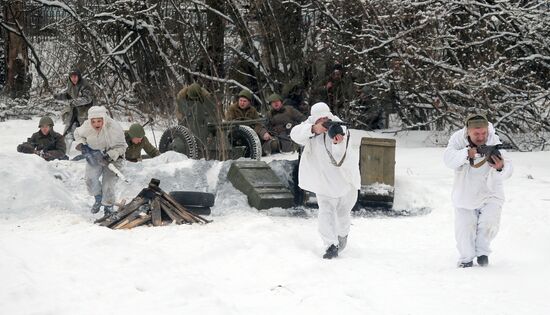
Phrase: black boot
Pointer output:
(466, 264)
(342, 242)
(483, 260)
(97, 204)
(331, 252)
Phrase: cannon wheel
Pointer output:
(245, 136)
(181, 140)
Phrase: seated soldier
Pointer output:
(46, 142)
(242, 110)
(280, 120)
(136, 140)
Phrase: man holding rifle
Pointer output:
(329, 167)
(101, 140)
(478, 194)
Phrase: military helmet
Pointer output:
(274, 97)
(194, 91)
(136, 131)
(46, 120)
(246, 94)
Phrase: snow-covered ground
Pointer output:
(54, 260)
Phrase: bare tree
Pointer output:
(18, 80)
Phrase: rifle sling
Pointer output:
(478, 164)
(332, 160)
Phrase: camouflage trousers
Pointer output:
(105, 186)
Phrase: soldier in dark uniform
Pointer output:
(280, 119)
(242, 110)
(195, 109)
(80, 96)
(137, 141)
(47, 143)
(338, 91)
(373, 115)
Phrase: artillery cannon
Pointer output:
(220, 140)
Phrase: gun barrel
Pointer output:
(117, 172)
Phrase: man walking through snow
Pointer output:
(478, 193)
(101, 132)
(329, 167)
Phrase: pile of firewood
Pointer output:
(152, 206)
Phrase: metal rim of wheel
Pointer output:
(246, 136)
(167, 141)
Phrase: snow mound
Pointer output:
(30, 184)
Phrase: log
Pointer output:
(155, 212)
(169, 212)
(142, 219)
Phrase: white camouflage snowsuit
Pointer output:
(109, 139)
(335, 187)
(477, 196)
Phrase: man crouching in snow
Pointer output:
(329, 167)
(101, 132)
(478, 193)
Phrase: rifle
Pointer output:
(489, 151)
(96, 158)
(485, 150)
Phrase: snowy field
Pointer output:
(54, 260)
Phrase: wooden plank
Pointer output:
(155, 212)
(142, 219)
(125, 211)
(195, 217)
(185, 216)
(170, 213)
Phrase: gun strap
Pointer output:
(478, 164)
(332, 160)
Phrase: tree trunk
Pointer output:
(18, 79)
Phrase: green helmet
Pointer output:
(274, 97)
(46, 120)
(246, 94)
(194, 91)
(136, 131)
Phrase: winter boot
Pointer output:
(331, 252)
(483, 260)
(466, 264)
(342, 241)
(97, 204)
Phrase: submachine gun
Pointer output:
(96, 158)
(489, 151)
(335, 127)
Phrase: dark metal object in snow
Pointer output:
(260, 184)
